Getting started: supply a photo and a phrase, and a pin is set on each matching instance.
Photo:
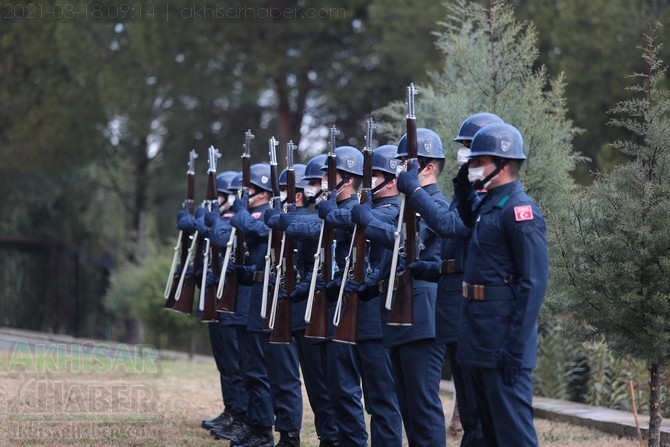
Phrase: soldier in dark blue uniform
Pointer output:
(223, 336)
(447, 224)
(369, 361)
(282, 360)
(248, 219)
(506, 276)
(304, 225)
(343, 384)
(416, 357)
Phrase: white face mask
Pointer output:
(311, 191)
(283, 195)
(374, 182)
(462, 156)
(477, 173)
(324, 185)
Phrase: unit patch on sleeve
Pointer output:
(524, 212)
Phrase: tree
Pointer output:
(488, 60)
(614, 244)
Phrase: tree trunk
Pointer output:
(654, 406)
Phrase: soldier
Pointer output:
(248, 218)
(344, 390)
(282, 360)
(506, 274)
(447, 224)
(223, 336)
(368, 361)
(416, 358)
(304, 225)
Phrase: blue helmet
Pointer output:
(498, 140)
(348, 159)
(299, 170)
(259, 174)
(223, 181)
(313, 168)
(429, 144)
(383, 159)
(473, 123)
(236, 183)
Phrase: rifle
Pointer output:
(182, 249)
(316, 314)
(228, 295)
(401, 308)
(274, 237)
(280, 317)
(185, 291)
(347, 321)
(207, 304)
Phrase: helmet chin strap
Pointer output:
(483, 184)
(378, 188)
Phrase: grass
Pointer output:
(159, 403)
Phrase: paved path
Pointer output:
(620, 423)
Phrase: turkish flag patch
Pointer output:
(524, 212)
(258, 214)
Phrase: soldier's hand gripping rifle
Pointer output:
(280, 317)
(183, 251)
(401, 308)
(210, 256)
(316, 314)
(235, 245)
(274, 236)
(347, 321)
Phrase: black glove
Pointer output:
(301, 291)
(185, 220)
(270, 215)
(283, 221)
(408, 181)
(200, 220)
(365, 290)
(240, 203)
(326, 206)
(425, 270)
(212, 279)
(361, 213)
(463, 192)
(333, 289)
(212, 217)
(510, 365)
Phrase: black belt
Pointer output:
(383, 285)
(480, 292)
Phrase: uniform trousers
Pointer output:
(417, 371)
(312, 358)
(466, 401)
(506, 410)
(225, 349)
(256, 382)
(281, 361)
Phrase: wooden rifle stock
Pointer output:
(228, 283)
(317, 325)
(347, 328)
(183, 290)
(209, 314)
(282, 330)
(401, 312)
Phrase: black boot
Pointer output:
(289, 439)
(256, 437)
(221, 420)
(329, 443)
(234, 431)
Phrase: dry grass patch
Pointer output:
(157, 404)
